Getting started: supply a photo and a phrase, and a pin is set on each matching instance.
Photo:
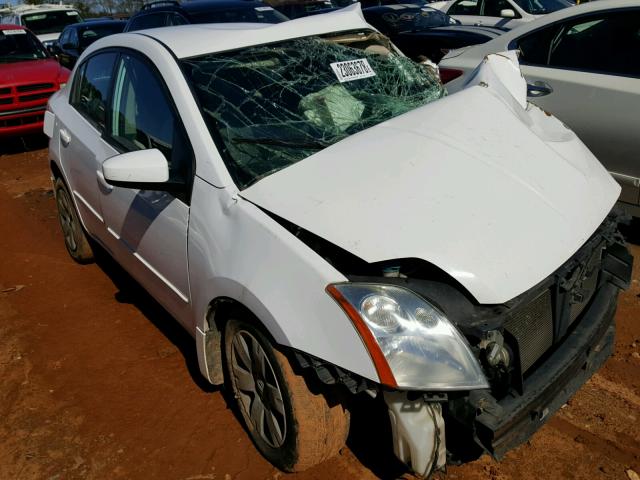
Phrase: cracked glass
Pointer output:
(270, 106)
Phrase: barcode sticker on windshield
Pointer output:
(14, 32)
(352, 70)
(263, 9)
(72, 14)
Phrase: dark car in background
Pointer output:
(28, 77)
(165, 13)
(75, 38)
(419, 30)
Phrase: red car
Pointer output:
(28, 77)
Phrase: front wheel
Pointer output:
(292, 427)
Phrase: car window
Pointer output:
(492, 8)
(19, 45)
(63, 37)
(91, 88)
(465, 7)
(174, 18)
(149, 20)
(606, 43)
(73, 38)
(540, 7)
(250, 14)
(50, 22)
(143, 116)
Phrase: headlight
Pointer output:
(411, 342)
(62, 85)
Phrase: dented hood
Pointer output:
(496, 195)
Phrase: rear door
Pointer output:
(81, 124)
(148, 228)
(587, 72)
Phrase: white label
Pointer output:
(352, 70)
(72, 14)
(14, 32)
(263, 9)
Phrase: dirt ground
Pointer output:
(97, 382)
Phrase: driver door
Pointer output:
(148, 228)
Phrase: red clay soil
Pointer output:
(98, 382)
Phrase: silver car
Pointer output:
(581, 64)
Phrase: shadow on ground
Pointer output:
(28, 143)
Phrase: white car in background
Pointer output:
(505, 14)
(582, 65)
(45, 20)
(322, 219)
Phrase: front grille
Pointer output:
(6, 101)
(17, 122)
(589, 280)
(532, 328)
(5, 90)
(34, 86)
(35, 96)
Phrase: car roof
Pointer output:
(199, 39)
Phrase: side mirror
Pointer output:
(53, 49)
(143, 169)
(507, 13)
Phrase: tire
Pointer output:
(75, 238)
(296, 429)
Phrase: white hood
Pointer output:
(496, 196)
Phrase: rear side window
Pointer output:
(607, 43)
(90, 91)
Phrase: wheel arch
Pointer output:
(210, 329)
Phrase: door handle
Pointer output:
(538, 89)
(102, 182)
(65, 138)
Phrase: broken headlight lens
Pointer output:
(421, 348)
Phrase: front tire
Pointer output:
(292, 427)
(75, 238)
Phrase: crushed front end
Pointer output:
(541, 347)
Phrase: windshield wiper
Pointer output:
(280, 143)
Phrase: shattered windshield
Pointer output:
(270, 106)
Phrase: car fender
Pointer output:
(239, 252)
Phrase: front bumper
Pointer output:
(505, 424)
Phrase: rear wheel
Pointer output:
(292, 427)
(75, 238)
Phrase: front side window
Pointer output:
(51, 21)
(19, 45)
(270, 106)
(142, 116)
(493, 8)
(91, 88)
(465, 7)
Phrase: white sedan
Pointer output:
(505, 14)
(322, 219)
(582, 65)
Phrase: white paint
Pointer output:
(498, 198)
(140, 166)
